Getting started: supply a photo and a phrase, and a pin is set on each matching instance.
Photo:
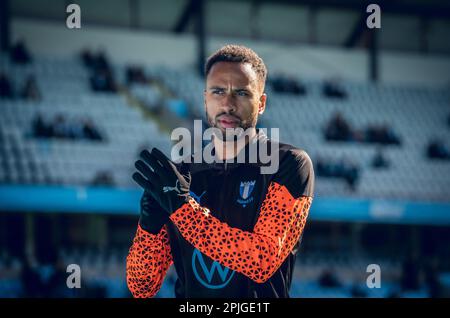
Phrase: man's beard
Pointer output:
(233, 134)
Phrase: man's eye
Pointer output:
(218, 92)
(242, 93)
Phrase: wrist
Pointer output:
(153, 225)
(177, 203)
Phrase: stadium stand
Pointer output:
(65, 87)
(66, 91)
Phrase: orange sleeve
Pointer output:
(148, 260)
(256, 254)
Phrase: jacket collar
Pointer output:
(250, 153)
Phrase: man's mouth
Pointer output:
(227, 121)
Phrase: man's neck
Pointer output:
(229, 149)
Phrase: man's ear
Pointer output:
(204, 99)
(262, 103)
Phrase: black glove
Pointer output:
(153, 216)
(161, 178)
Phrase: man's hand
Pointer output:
(160, 177)
(153, 216)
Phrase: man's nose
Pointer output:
(229, 103)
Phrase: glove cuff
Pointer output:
(154, 225)
(182, 200)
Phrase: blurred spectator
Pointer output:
(286, 84)
(338, 129)
(437, 150)
(328, 279)
(95, 62)
(6, 90)
(19, 53)
(65, 129)
(103, 81)
(379, 161)
(61, 127)
(77, 129)
(90, 131)
(103, 178)
(31, 90)
(101, 62)
(343, 168)
(87, 57)
(382, 134)
(331, 88)
(350, 172)
(102, 78)
(135, 74)
(40, 128)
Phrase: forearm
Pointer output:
(148, 260)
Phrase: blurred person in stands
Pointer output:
(327, 279)
(102, 76)
(286, 84)
(95, 62)
(102, 61)
(379, 160)
(321, 166)
(331, 88)
(6, 90)
(90, 131)
(87, 57)
(382, 134)
(344, 168)
(349, 171)
(103, 81)
(338, 129)
(61, 128)
(77, 129)
(436, 149)
(19, 53)
(103, 178)
(230, 230)
(40, 128)
(31, 90)
(135, 74)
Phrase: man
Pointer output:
(230, 230)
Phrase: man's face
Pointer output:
(233, 97)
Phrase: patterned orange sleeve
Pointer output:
(256, 254)
(148, 260)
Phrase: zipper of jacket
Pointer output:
(225, 175)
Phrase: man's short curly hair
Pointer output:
(238, 54)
